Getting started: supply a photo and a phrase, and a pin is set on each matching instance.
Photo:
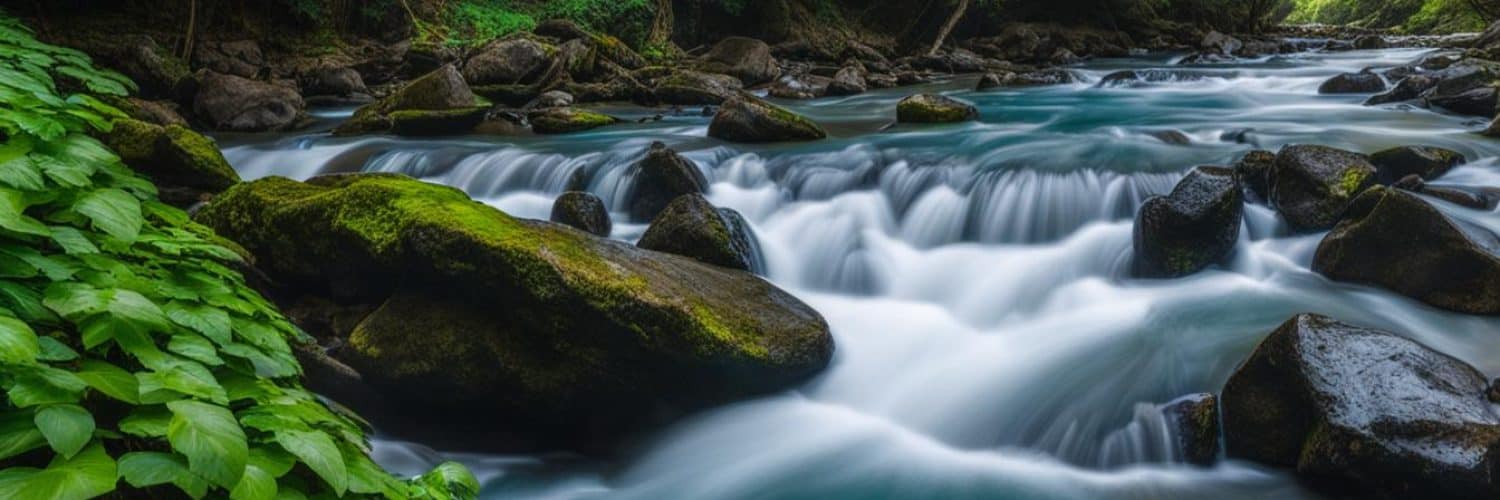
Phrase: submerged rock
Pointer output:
(233, 103)
(438, 100)
(509, 325)
(1191, 228)
(661, 177)
(184, 164)
(1254, 172)
(748, 59)
(566, 120)
(1363, 412)
(1312, 185)
(746, 118)
(1425, 161)
(690, 226)
(933, 108)
(584, 211)
(1395, 240)
(1364, 82)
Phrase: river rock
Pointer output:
(746, 118)
(499, 324)
(1393, 239)
(1425, 161)
(334, 81)
(422, 122)
(1312, 185)
(1220, 43)
(696, 88)
(507, 61)
(691, 227)
(1353, 83)
(154, 68)
(584, 211)
(808, 86)
(1361, 412)
(566, 120)
(1466, 88)
(661, 177)
(989, 81)
(1193, 227)
(1370, 42)
(850, 80)
(1054, 76)
(438, 99)
(233, 103)
(236, 57)
(748, 59)
(1254, 172)
(933, 108)
(183, 164)
(1173, 137)
(1478, 198)
(1407, 89)
(1195, 422)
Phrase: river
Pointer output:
(990, 343)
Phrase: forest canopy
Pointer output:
(1409, 16)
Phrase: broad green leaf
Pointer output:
(111, 380)
(451, 478)
(13, 216)
(72, 240)
(67, 427)
(113, 211)
(18, 433)
(149, 468)
(211, 439)
(196, 348)
(75, 300)
(88, 474)
(212, 322)
(69, 172)
(19, 172)
(272, 459)
(256, 484)
(55, 350)
(320, 454)
(185, 377)
(26, 302)
(368, 478)
(18, 344)
(41, 384)
(147, 421)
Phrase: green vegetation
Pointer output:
(132, 354)
(477, 21)
(1411, 16)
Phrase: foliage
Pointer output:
(1413, 16)
(132, 354)
(477, 21)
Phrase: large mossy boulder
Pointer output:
(932, 108)
(566, 120)
(238, 104)
(508, 61)
(1195, 226)
(1312, 185)
(748, 59)
(746, 118)
(690, 226)
(1396, 240)
(582, 210)
(1426, 162)
(438, 103)
(490, 322)
(1363, 413)
(659, 178)
(184, 164)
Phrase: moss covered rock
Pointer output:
(690, 226)
(439, 100)
(1194, 420)
(419, 122)
(184, 164)
(746, 118)
(748, 59)
(506, 62)
(932, 108)
(1394, 239)
(1254, 173)
(661, 177)
(1312, 185)
(1193, 227)
(565, 120)
(694, 88)
(1425, 161)
(1363, 413)
(584, 211)
(521, 325)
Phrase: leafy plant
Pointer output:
(132, 354)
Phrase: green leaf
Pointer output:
(450, 478)
(195, 348)
(72, 240)
(18, 344)
(150, 468)
(74, 300)
(69, 172)
(147, 421)
(211, 439)
(257, 484)
(113, 211)
(319, 453)
(88, 474)
(67, 427)
(212, 322)
(55, 350)
(111, 380)
(41, 384)
(18, 433)
(368, 478)
(13, 218)
(21, 173)
(183, 376)
(26, 303)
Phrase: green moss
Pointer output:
(1351, 181)
(198, 159)
(566, 120)
(927, 110)
(133, 139)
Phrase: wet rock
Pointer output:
(1041, 77)
(1193, 227)
(334, 81)
(1353, 83)
(933, 108)
(1254, 172)
(157, 112)
(1474, 102)
(567, 120)
(692, 87)
(661, 177)
(424, 58)
(1425, 161)
(551, 99)
(561, 29)
(1465, 88)
(848, 81)
(1221, 44)
(435, 97)
(423, 122)
(1406, 89)
(557, 336)
(584, 211)
(881, 81)
(1481, 198)
(232, 103)
(1312, 185)
(1370, 42)
(745, 118)
(748, 59)
(691, 227)
(154, 68)
(239, 57)
(1393, 239)
(1173, 137)
(990, 81)
(1360, 412)
(508, 61)
(1195, 421)
(184, 164)
(800, 87)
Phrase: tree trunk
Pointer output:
(958, 13)
(661, 25)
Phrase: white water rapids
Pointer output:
(989, 341)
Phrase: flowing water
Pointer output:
(990, 343)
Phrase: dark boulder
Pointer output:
(850, 80)
(236, 57)
(1194, 420)
(1393, 239)
(990, 81)
(566, 120)
(800, 86)
(582, 210)
(1195, 226)
(1054, 76)
(1425, 161)
(1220, 43)
(440, 99)
(748, 59)
(561, 29)
(691, 227)
(233, 103)
(1370, 42)
(154, 68)
(1173, 137)
(333, 81)
(508, 61)
(695, 88)
(745, 118)
(1478, 101)
(1361, 412)
(1353, 83)
(1466, 88)
(1254, 172)
(661, 177)
(421, 122)
(1407, 89)
(1478, 198)
(1312, 185)
(933, 108)
(183, 164)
